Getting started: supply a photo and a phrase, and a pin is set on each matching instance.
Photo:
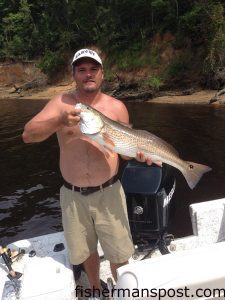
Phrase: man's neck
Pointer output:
(88, 98)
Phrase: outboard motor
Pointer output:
(149, 190)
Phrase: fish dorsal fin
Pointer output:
(155, 139)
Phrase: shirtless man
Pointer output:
(92, 199)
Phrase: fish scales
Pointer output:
(129, 142)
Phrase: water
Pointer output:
(30, 178)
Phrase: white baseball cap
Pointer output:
(86, 53)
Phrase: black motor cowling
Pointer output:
(149, 190)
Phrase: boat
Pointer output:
(38, 268)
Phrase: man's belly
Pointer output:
(88, 172)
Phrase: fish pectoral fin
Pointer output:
(105, 151)
(109, 152)
(108, 144)
(107, 140)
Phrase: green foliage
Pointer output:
(123, 29)
(154, 82)
(134, 57)
(152, 57)
(129, 59)
(216, 43)
(51, 63)
(204, 25)
(59, 25)
(179, 65)
(17, 29)
(191, 24)
(109, 75)
(176, 67)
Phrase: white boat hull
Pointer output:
(47, 275)
(197, 273)
(196, 262)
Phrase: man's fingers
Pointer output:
(70, 118)
(148, 161)
(73, 120)
(75, 112)
(142, 158)
(158, 163)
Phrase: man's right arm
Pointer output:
(50, 120)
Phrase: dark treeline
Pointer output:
(50, 30)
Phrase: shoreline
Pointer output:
(198, 97)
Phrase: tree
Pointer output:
(17, 30)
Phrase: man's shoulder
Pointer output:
(116, 109)
(114, 102)
(61, 99)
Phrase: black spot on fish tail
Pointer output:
(193, 173)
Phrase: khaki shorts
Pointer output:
(99, 216)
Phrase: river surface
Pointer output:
(30, 177)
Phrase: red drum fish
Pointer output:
(127, 141)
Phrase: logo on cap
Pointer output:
(87, 53)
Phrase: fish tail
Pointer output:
(193, 173)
